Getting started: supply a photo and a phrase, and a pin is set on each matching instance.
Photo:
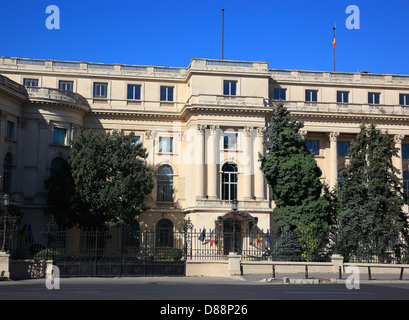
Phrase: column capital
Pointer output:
(151, 134)
(398, 138)
(213, 129)
(261, 131)
(201, 128)
(303, 133)
(333, 136)
(247, 131)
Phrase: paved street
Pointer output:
(200, 289)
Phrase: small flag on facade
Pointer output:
(211, 238)
(268, 237)
(202, 236)
(258, 238)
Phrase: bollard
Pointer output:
(401, 274)
(274, 271)
(369, 273)
(241, 268)
(306, 272)
(339, 273)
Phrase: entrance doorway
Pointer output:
(232, 235)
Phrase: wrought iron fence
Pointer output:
(127, 245)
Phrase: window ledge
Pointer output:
(10, 140)
(166, 153)
(59, 145)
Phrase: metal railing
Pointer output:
(127, 244)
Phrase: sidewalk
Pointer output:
(323, 278)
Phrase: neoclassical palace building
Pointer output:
(203, 127)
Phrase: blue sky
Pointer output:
(290, 34)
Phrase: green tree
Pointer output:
(294, 177)
(62, 198)
(104, 184)
(371, 218)
(288, 247)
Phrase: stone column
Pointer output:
(333, 173)
(247, 165)
(258, 174)
(212, 163)
(397, 161)
(199, 161)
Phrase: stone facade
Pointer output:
(203, 126)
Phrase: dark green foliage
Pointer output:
(47, 255)
(62, 198)
(288, 247)
(294, 177)
(371, 218)
(104, 184)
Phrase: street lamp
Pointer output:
(234, 205)
(5, 203)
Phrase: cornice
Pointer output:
(358, 116)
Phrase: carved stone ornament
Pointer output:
(333, 136)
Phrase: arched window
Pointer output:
(164, 233)
(165, 184)
(7, 166)
(56, 165)
(229, 181)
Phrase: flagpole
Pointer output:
(223, 33)
(334, 44)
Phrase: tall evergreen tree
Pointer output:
(353, 195)
(372, 219)
(294, 177)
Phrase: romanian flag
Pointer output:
(211, 238)
(258, 238)
(333, 44)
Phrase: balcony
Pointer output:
(18, 88)
(50, 95)
(224, 100)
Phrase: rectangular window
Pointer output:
(59, 135)
(229, 88)
(100, 90)
(30, 82)
(311, 95)
(66, 85)
(374, 98)
(166, 144)
(10, 129)
(343, 149)
(405, 151)
(280, 94)
(342, 97)
(136, 139)
(230, 141)
(404, 99)
(312, 145)
(134, 92)
(166, 93)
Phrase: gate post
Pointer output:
(4, 265)
(234, 263)
(337, 261)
